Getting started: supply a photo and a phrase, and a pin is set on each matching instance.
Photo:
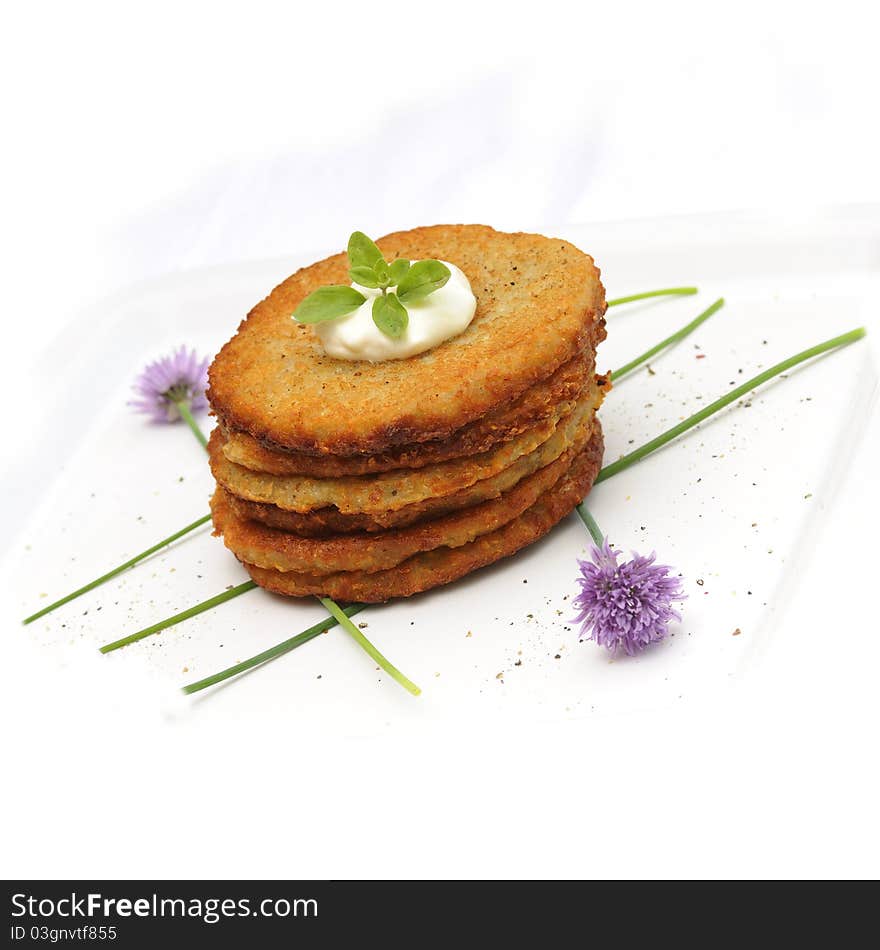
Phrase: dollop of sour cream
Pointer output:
(440, 316)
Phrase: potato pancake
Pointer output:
(552, 398)
(443, 565)
(376, 495)
(539, 303)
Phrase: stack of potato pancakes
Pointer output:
(365, 481)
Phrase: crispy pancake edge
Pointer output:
(278, 550)
(327, 521)
(376, 495)
(554, 397)
(442, 566)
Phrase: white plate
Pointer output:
(734, 505)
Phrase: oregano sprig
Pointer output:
(368, 268)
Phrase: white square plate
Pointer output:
(734, 505)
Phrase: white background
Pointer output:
(185, 135)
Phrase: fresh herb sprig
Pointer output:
(368, 268)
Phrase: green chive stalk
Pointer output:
(278, 650)
(187, 416)
(368, 647)
(667, 292)
(663, 344)
(592, 526)
(117, 570)
(179, 618)
(638, 454)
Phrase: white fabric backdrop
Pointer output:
(188, 134)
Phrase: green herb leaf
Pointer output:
(423, 278)
(390, 315)
(365, 276)
(380, 269)
(397, 270)
(328, 303)
(362, 252)
(272, 652)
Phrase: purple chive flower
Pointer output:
(179, 378)
(625, 606)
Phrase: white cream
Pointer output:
(433, 319)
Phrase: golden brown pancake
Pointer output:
(444, 564)
(552, 398)
(315, 524)
(539, 303)
(279, 550)
(376, 495)
(328, 521)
